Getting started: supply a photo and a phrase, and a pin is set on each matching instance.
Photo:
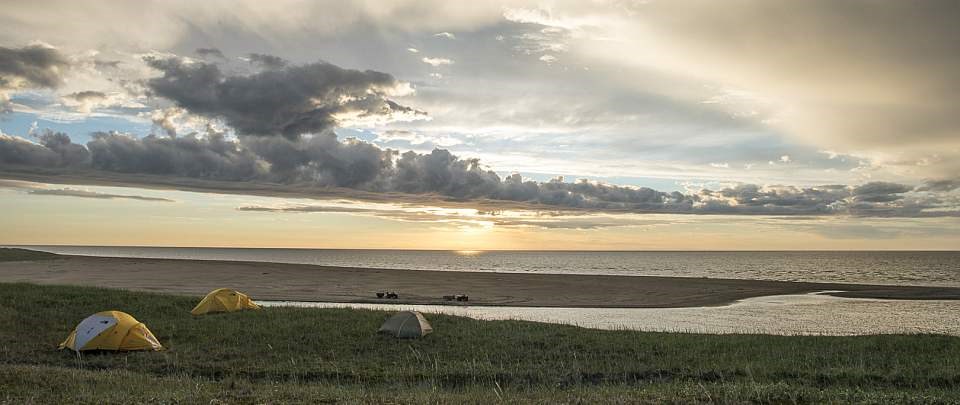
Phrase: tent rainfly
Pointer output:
(224, 300)
(111, 330)
(407, 325)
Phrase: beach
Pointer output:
(299, 282)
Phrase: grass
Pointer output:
(334, 355)
(14, 254)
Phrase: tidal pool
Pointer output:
(802, 314)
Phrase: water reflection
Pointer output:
(468, 252)
(806, 314)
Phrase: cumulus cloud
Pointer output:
(31, 66)
(164, 119)
(53, 150)
(322, 160)
(940, 185)
(15, 150)
(34, 66)
(205, 157)
(879, 191)
(291, 101)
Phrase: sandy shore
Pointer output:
(298, 282)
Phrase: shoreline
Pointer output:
(302, 282)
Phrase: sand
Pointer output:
(299, 282)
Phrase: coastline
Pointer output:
(302, 282)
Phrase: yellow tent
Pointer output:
(224, 300)
(111, 330)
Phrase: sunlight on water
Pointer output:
(892, 268)
(468, 252)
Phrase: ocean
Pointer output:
(871, 267)
(805, 314)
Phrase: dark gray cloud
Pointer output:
(322, 159)
(89, 95)
(210, 52)
(18, 151)
(269, 62)
(53, 150)
(68, 153)
(879, 191)
(33, 66)
(940, 185)
(292, 101)
(192, 156)
(68, 192)
(361, 170)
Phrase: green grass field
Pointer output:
(14, 254)
(284, 355)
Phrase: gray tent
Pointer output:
(406, 324)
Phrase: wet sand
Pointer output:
(299, 282)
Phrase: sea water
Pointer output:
(874, 267)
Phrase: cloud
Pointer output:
(837, 75)
(83, 96)
(322, 159)
(291, 101)
(210, 52)
(31, 66)
(54, 150)
(548, 59)
(69, 192)
(413, 50)
(164, 119)
(446, 35)
(204, 157)
(17, 184)
(940, 185)
(407, 213)
(360, 170)
(268, 62)
(18, 151)
(880, 192)
(435, 62)
(164, 25)
(106, 64)
(88, 100)
(34, 66)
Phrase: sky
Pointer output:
(594, 125)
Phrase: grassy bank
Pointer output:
(15, 254)
(313, 355)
